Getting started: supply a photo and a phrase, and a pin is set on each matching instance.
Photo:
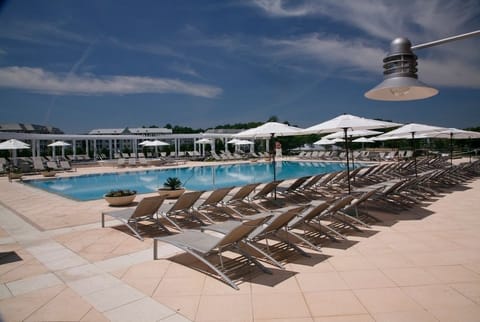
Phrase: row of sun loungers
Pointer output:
(232, 228)
(357, 155)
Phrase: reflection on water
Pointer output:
(90, 187)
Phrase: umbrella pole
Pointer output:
(272, 151)
(348, 165)
(353, 163)
(414, 156)
(470, 150)
(451, 149)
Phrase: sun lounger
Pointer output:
(183, 209)
(202, 245)
(311, 229)
(336, 222)
(53, 165)
(132, 162)
(121, 163)
(146, 210)
(143, 162)
(38, 164)
(65, 165)
(275, 228)
(214, 205)
(268, 189)
(240, 201)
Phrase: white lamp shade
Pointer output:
(401, 89)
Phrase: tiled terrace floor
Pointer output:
(420, 265)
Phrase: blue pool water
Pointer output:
(91, 187)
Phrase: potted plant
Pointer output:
(120, 197)
(49, 172)
(172, 188)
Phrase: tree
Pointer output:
(273, 119)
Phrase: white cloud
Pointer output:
(41, 81)
(278, 8)
(419, 20)
(183, 69)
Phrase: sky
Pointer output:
(82, 65)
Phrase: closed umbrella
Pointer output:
(347, 122)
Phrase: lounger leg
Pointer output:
(214, 268)
(254, 261)
(345, 222)
(303, 240)
(103, 220)
(264, 254)
(331, 230)
(285, 237)
(155, 249)
(171, 221)
(358, 221)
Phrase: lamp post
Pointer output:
(400, 71)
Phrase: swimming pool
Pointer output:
(91, 187)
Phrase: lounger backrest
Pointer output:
(393, 187)
(242, 231)
(315, 211)
(278, 221)
(38, 164)
(216, 196)
(310, 183)
(148, 206)
(52, 164)
(65, 165)
(186, 201)
(268, 188)
(244, 191)
(365, 196)
(339, 204)
(297, 183)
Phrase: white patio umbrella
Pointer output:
(203, 142)
(270, 130)
(324, 141)
(156, 144)
(13, 145)
(233, 141)
(62, 144)
(364, 140)
(409, 130)
(452, 133)
(243, 142)
(352, 134)
(344, 123)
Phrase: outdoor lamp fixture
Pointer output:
(400, 71)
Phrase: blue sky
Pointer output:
(79, 65)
